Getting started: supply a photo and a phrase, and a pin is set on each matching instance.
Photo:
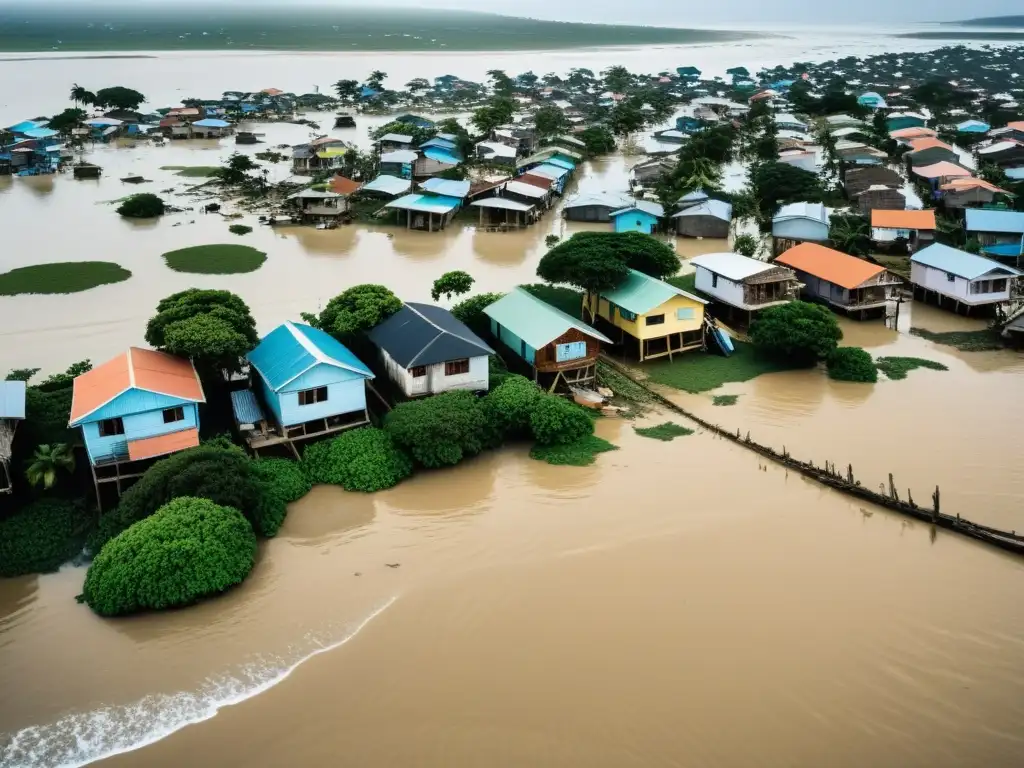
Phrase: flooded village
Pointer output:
(477, 341)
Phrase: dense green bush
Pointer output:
(42, 536)
(556, 421)
(471, 311)
(142, 206)
(281, 482)
(364, 459)
(508, 407)
(798, 332)
(852, 364)
(441, 430)
(239, 229)
(188, 549)
(216, 472)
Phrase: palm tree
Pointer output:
(78, 94)
(47, 461)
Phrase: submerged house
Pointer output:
(12, 412)
(968, 280)
(929, 151)
(386, 186)
(428, 212)
(743, 283)
(595, 206)
(917, 228)
(799, 223)
(1002, 153)
(557, 347)
(496, 152)
(840, 280)
(969, 192)
(210, 128)
(319, 207)
(879, 197)
(711, 218)
(140, 405)
(310, 382)
(658, 317)
(641, 216)
(897, 121)
(398, 163)
(426, 351)
(857, 180)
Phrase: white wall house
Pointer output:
(426, 351)
(742, 282)
(964, 277)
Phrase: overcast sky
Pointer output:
(678, 13)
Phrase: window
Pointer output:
(654, 320)
(998, 286)
(951, 277)
(574, 350)
(313, 396)
(456, 367)
(111, 427)
(685, 313)
(714, 281)
(418, 371)
(172, 415)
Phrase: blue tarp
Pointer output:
(442, 156)
(211, 123)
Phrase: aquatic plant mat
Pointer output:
(665, 432)
(193, 171)
(697, 372)
(61, 277)
(581, 453)
(224, 259)
(899, 367)
(966, 341)
(724, 399)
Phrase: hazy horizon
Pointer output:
(736, 13)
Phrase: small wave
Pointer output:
(82, 738)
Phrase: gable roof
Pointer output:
(1006, 222)
(962, 185)
(960, 263)
(402, 156)
(917, 132)
(613, 200)
(732, 266)
(718, 209)
(144, 369)
(423, 334)
(903, 219)
(292, 349)
(396, 138)
(640, 293)
(534, 321)
(526, 190)
(837, 268)
(388, 185)
(938, 170)
(446, 187)
(342, 185)
(813, 211)
(650, 208)
(928, 142)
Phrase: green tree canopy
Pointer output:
(497, 111)
(509, 405)
(236, 169)
(599, 140)
(67, 120)
(189, 549)
(118, 97)
(471, 311)
(617, 79)
(347, 90)
(214, 328)
(550, 121)
(42, 536)
(852, 364)
(419, 134)
(556, 421)
(798, 332)
(145, 205)
(501, 83)
(598, 261)
(46, 464)
(358, 309)
(626, 118)
(777, 184)
(441, 430)
(452, 283)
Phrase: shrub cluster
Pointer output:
(364, 459)
(188, 549)
(556, 421)
(142, 206)
(798, 332)
(441, 430)
(509, 405)
(41, 537)
(852, 364)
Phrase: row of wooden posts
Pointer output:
(846, 483)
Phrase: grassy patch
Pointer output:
(216, 259)
(687, 283)
(664, 432)
(898, 265)
(899, 367)
(581, 453)
(566, 299)
(697, 372)
(61, 277)
(724, 399)
(193, 171)
(965, 341)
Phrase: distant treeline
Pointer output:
(86, 27)
(992, 21)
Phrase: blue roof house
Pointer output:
(973, 126)
(310, 381)
(871, 100)
(641, 216)
(992, 227)
(956, 276)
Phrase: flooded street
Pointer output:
(675, 604)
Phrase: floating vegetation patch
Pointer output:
(61, 277)
(665, 432)
(966, 341)
(724, 399)
(899, 367)
(193, 171)
(239, 229)
(222, 259)
(580, 453)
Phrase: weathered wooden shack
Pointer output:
(711, 219)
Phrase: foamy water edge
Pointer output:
(83, 738)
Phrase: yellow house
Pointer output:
(661, 318)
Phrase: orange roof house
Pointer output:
(344, 186)
(929, 150)
(918, 132)
(138, 405)
(903, 219)
(840, 280)
(941, 170)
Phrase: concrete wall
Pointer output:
(436, 381)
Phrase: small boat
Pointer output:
(719, 337)
(134, 180)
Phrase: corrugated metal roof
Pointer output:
(526, 190)
(388, 185)
(425, 203)
(423, 334)
(941, 170)
(833, 266)
(291, 349)
(613, 200)
(732, 266)
(246, 407)
(648, 207)
(437, 141)
(396, 138)
(550, 171)
(812, 211)
(399, 156)
(888, 219)
(161, 445)
(497, 148)
(1004, 222)
(719, 209)
(502, 203)
(446, 187)
(441, 155)
(211, 123)
(640, 293)
(12, 399)
(534, 321)
(956, 262)
(561, 163)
